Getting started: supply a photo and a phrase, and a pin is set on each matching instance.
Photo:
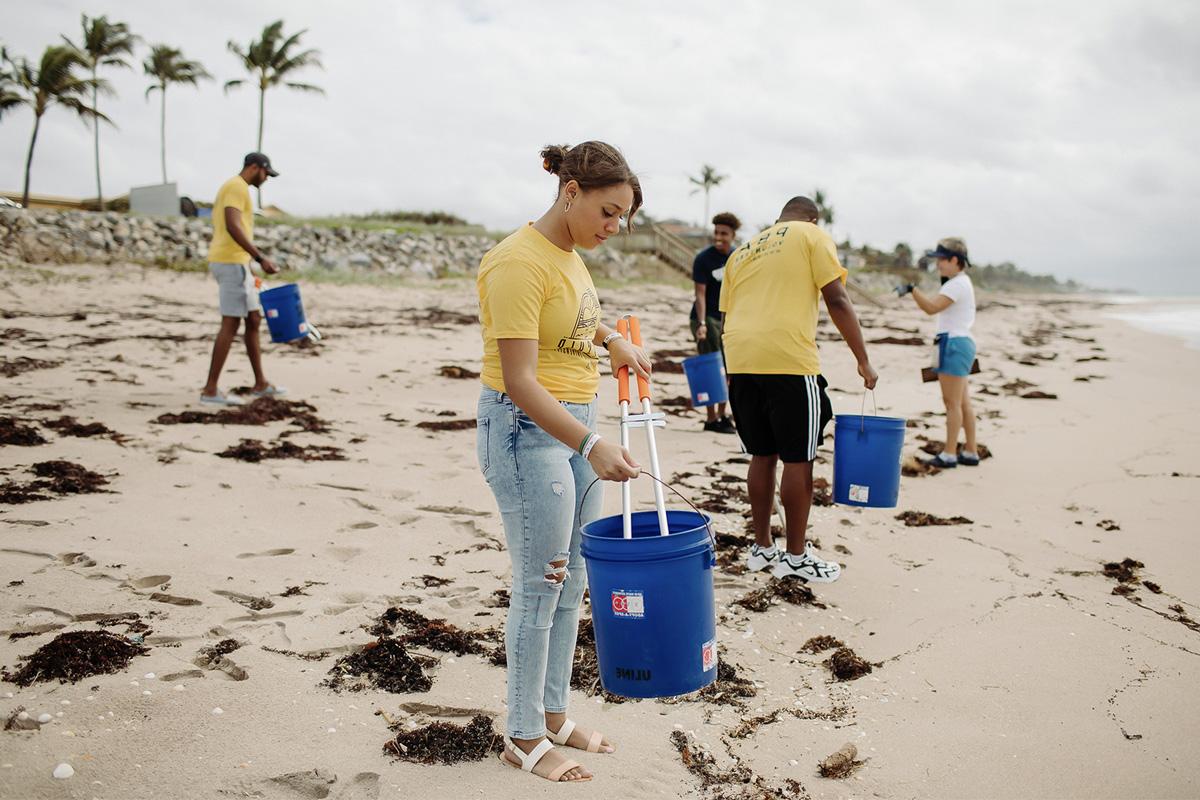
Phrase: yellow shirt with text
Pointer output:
(769, 295)
(531, 289)
(234, 193)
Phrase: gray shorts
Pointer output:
(235, 284)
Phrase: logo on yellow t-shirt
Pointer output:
(579, 343)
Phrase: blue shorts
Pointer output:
(955, 355)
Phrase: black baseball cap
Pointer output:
(259, 160)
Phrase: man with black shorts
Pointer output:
(769, 300)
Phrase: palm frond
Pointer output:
(233, 84)
(305, 87)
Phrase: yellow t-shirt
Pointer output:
(234, 193)
(769, 295)
(531, 289)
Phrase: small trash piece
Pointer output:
(63, 771)
(841, 764)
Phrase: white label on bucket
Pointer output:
(701, 397)
(708, 655)
(272, 313)
(860, 494)
(628, 604)
(304, 327)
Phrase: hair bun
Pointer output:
(552, 157)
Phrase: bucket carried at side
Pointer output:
(866, 460)
(706, 379)
(650, 575)
(284, 312)
(653, 610)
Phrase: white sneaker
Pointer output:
(761, 557)
(808, 567)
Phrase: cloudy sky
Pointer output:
(1060, 136)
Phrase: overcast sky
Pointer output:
(1061, 136)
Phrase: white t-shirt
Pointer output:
(960, 316)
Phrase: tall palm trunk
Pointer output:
(704, 222)
(162, 133)
(96, 131)
(37, 121)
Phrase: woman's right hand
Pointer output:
(613, 462)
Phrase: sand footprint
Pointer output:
(343, 553)
(278, 551)
(175, 600)
(148, 581)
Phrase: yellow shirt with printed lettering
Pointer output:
(769, 295)
(531, 289)
(234, 193)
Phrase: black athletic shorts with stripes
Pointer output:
(783, 415)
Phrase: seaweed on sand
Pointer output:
(75, 655)
(383, 664)
(446, 743)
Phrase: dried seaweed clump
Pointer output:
(384, 664)
(789, 590)
(846, 665)
(435, 634)
(819, 644)
(446, 743)
(76, 655)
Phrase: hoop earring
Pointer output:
(567, 208)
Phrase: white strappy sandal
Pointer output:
(530, 760)
(564, 733)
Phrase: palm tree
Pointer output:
(824, 210)
(51, 82)
(167, 65)
(270, 60)
(9, 97)
(104, 44)
(708, 180)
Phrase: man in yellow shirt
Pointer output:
(229, 257)
(769, 302)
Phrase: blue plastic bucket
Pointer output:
(866, 460)
(652, 604)
(706, 379)
(284, 313)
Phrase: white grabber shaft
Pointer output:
(660, 504)
(623, 394)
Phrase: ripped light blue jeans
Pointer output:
(539, 484)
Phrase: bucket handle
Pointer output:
(712, 538)
(862, 417)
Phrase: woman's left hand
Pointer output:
(622, 353)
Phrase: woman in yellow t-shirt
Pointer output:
(538, 448)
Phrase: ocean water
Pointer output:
(1178, 317)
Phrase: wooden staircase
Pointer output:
(651, 238)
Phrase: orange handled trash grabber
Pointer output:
(623, 397)
(646, 419)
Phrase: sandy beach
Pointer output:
(1006, 660)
